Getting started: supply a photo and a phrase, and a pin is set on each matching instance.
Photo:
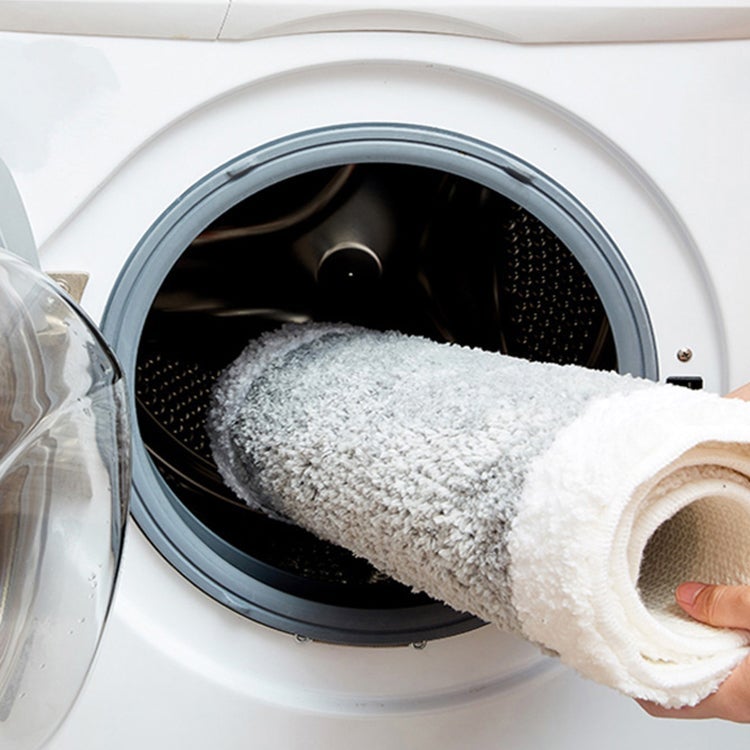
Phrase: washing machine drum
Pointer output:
(383, 245)
(64, 483)
(463, 264)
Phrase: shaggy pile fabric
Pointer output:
(560, 503)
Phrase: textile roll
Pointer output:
(559, 503)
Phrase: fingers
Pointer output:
(742, 392)
(731, 701)
(721, 606)
(701, 711)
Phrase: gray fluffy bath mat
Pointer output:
(559, 503)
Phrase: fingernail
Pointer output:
(687, 593)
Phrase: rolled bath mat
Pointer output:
(560, 503)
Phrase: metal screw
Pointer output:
(419, 645)
(684, 354)
(301, 638)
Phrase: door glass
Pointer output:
(64, 484)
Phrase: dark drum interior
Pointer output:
(387, 246)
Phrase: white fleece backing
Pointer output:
(558, 502)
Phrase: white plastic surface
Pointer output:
(177, 672)
(651, 138)
(15, 232)
(581, 114)
(168, 19)
(506, 20)
(534, 21)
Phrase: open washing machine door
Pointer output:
(64, 484)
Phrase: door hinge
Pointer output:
(71, 282)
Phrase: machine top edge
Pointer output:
(532, 22)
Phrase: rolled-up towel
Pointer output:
(561, 503)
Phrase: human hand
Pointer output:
(722, 606)
(742, 392)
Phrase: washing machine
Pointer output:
(559, 181)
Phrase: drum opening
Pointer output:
(380, 245)
(423, 232)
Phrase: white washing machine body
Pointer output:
(106, 136)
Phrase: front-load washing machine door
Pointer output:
(64, 484)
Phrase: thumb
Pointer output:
(722, 606)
